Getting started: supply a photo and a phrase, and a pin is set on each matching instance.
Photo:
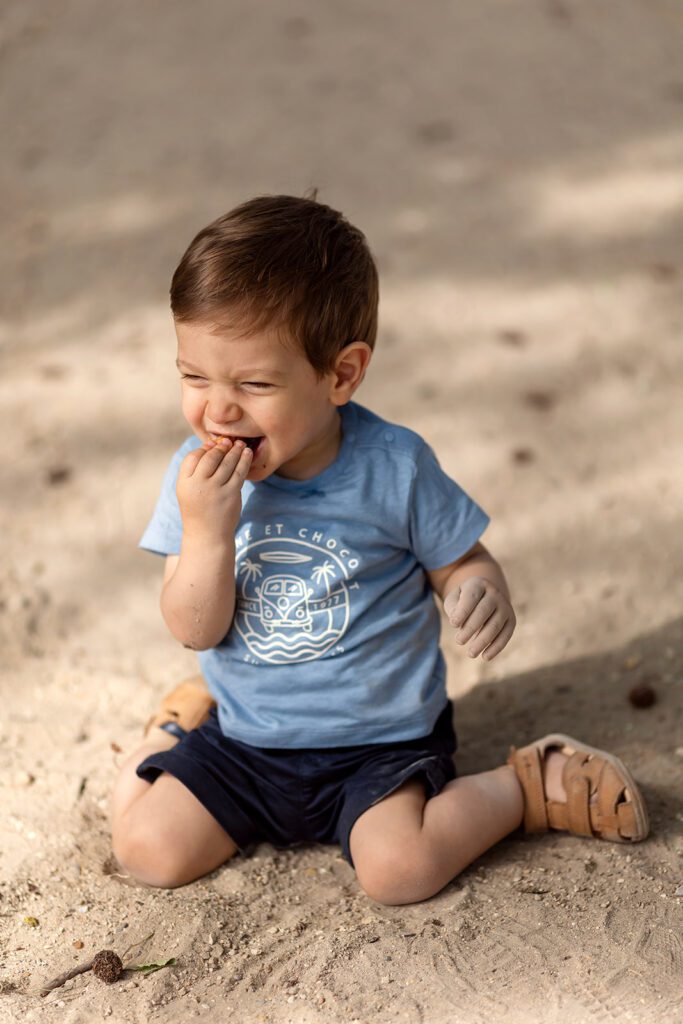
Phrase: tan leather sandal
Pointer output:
(186, 707)
(617, 812)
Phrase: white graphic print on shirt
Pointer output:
(293, 594)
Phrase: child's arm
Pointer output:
(476, 601)
(198, 597)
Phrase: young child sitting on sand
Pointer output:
(304, 540)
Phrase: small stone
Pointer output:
(522, 456)
(77, 944)
(679, 891)
(631, 662)
(57, 475)
(107, 966)
(542, 401)
(642, 696)
(22, 779)
(512, 337)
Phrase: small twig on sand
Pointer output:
(61, 979)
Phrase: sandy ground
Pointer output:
(517, 169)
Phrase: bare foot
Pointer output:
(554, 766)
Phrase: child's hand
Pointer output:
(480, 613)
(208, 489)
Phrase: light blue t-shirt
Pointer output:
(335, 638)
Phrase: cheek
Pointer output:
(192, 407)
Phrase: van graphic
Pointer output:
(283, 603)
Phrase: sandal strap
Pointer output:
(577, 786)
(527, 765)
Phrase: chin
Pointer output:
(257, 473)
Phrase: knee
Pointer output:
(143, 854)
(394, 877)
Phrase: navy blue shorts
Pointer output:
(286, 797)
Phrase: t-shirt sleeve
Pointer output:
(164, 531)
(444, 521)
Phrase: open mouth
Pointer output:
(251, 442)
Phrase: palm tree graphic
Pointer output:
(251, 570)
(322, 572)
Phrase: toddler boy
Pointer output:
(304, 539)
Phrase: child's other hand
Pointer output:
(208, 489)
(481, 614)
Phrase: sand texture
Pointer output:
(517, 170)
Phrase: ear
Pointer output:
(349, 370)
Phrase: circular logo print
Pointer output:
(292, 600)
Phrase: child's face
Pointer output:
(261, 389)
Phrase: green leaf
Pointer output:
(151, 968)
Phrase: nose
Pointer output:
(221, 409)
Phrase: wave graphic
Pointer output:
(290, 643)
(280, 657)
(281, 648)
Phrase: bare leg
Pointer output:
(161, 833)
(406, 848)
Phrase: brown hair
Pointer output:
(286, 263)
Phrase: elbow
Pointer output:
(199, 645)
(197, 640)
(191, 626)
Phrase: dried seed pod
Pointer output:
(107, 966)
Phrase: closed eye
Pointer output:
(257, 384)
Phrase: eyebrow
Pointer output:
(251, 372)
